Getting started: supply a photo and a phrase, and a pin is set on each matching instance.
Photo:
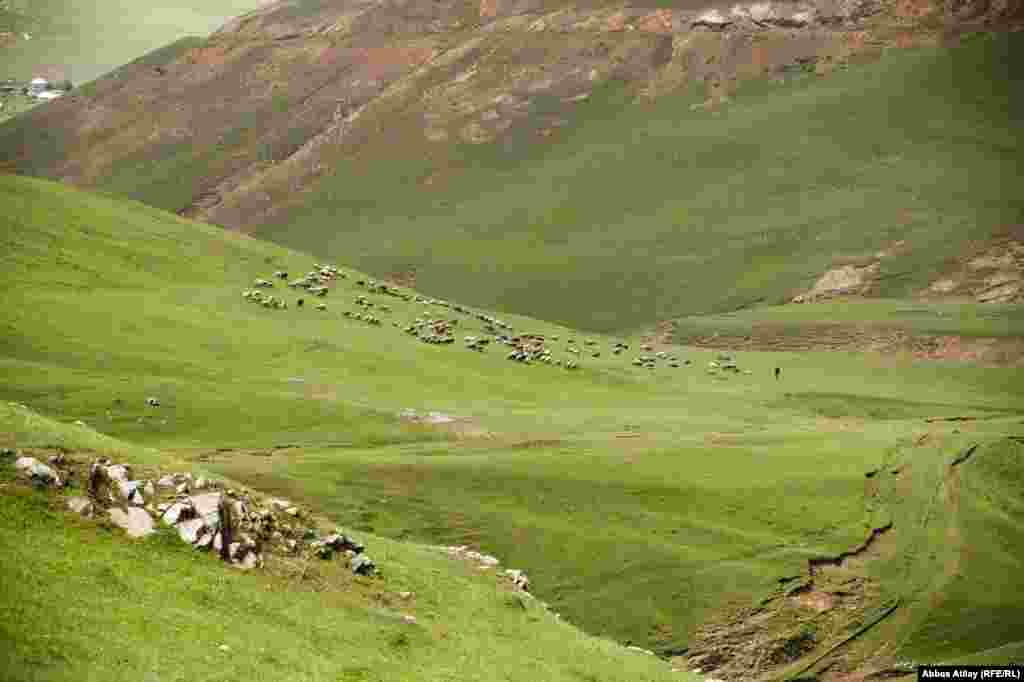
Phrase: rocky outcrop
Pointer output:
(841, 281)
(994, 273)
(239, 525)
(137, 523)
(39, 473)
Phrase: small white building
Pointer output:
(47, 95)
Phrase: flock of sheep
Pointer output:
(522, 348)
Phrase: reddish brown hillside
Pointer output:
(241, 122)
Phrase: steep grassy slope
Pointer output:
(641, 213)
(640, 502)
(83, 40)
(81, 602)
(545, 159)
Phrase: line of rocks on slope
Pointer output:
(486, 562)
(518, 578)
(238, 525)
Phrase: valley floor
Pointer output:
(678, 509)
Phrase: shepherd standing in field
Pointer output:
(778, 371)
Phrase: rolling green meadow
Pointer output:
(848, 503)
(641, 502)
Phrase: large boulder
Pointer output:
(127, 488)
(192, 530)
(177, 512)
(135, 521)
(250, 561)
(207, 506)
(38, 472)
(118, 472)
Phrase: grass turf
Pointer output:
(638, 501)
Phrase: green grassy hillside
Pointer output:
(626, 210)
(641, 502)
(155, 609)
(643, 212)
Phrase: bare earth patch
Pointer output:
(992, 273)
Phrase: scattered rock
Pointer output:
(278, 504)
(362, 565)
(38, 473)
(205, 540)
(24, 463)
(80, 505)
(135, 521)
(406, 618)
(518, 579)
(127, 488)
(206, 506)
(118, 472)
(191, 530)
(177, 512)
(233, 523)
(250, 561)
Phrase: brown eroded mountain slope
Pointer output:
(287, 88)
